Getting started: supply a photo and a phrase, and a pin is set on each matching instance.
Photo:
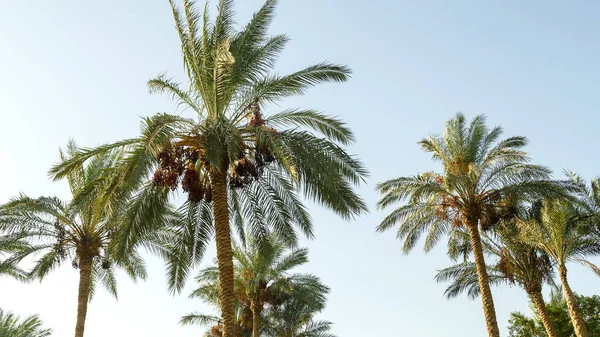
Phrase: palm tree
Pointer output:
(562, 231)
(12, 326)
(80, 230)
(296, 319)
(263, 278)
(480, 173)
(233, 156)
(514, 263)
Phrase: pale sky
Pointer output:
(78, 69)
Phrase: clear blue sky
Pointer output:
(78, 69)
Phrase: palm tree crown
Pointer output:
(263, 280)
(480, 175)
(482, 178)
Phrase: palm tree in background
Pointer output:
(296, 319)
(563, 231)
(514, 262)
(82, 230)
(244, 163)
(263, 279)
(482, 177)
(12, 326)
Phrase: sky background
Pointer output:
(79, 69)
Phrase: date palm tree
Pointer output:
(12, 326)
(480, 173)
(79, 230)
(563, 231)
(263, 278)
(514, 262)
(296, 319)
(244, 163)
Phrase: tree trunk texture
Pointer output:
(538, 300)
(574, 311)
(85, 278)
(255, 319)
(489, 310)
(224, 253)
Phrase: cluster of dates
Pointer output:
(179, 164)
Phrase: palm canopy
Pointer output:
(482, 178)
(562, 230)
(296, 319)
(264, 274)
(510, 261)
(12, 326)
(263, 279)
(82, 228)
(265, 158)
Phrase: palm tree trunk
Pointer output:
(255, 319)
(538, 300)
(574, 311)
(85, 278)
(224, 253)
(489, 310)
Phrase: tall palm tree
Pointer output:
(563, 232)
(479, 174)
(514, 262)
(263, 278)
(234, 156)
(12, 326)
(79, 230)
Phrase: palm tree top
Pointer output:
(84, 227)
(562, 229)
(483, 177)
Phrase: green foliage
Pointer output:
(12, 326)
(563, 231)
(295, 319)
(84, 227)
(523, 326)
(509, 261)
(269, 159)
(482, 178)
(264, 278)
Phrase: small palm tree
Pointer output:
(562, 231)
(82, 230)
(263, 278)
(244, 163)
(243, 319)
(514, 263)
(12, 326)
(481, 176)
(296, 319)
